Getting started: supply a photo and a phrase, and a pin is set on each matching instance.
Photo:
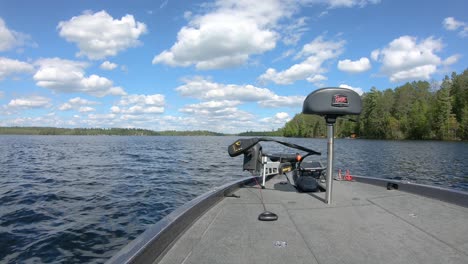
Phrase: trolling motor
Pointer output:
(332, 103)
(259, 163)
(254, 158)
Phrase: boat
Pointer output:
(296, 211)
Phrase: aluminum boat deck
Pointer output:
(365, 224)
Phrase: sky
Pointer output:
(225, 66)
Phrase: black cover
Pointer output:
(307, 184)
(332, 101)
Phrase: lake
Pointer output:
(82, 198)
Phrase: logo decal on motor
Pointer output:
(340, 100)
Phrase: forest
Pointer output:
(416, 110)
(100, 132)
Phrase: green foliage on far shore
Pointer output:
(275, 133)
(189, 133)
(100, 132)
(416, 110)
(76, 131)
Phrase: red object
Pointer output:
(348, 176)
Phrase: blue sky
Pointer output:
(226, 66)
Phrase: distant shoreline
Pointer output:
(51, 131)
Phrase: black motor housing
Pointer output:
(305, 177)
(253, 159)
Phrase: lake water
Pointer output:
(80, 199)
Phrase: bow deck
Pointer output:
(365, 224)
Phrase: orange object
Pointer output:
(348, 176)
(298, 157)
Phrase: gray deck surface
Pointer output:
(365, 224)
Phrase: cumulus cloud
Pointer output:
(29, 102)
(136, 104)
(347, 3)
(450, 23)
(227, 35)
(231, 31)
(11, 67)
(356, 89)
(86, 109)
(204, 89)
(10, 38)
(315, 53)
(216, 116)
(67, 76)
(279, 119)
(219, 106)
(7, 37)
(207, 90)
(406, 58)
(99, 35)
(77, 103)
(211, 108)
(361, 65)
(293, 101)
(107, 65)
(317, 79)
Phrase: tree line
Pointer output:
(416, 110)
(100, 132)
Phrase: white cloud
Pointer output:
(279, 119)
(7, 38)
(86, 109)
(356, 89)
(406, 58)
(228, 35)
(316, 52)
(361, 65)
(231, 31)
(276, 101)
(10, 38)
(219, 109)
(292, 33)
(219, 116)
(30, 102)
(77, 103)
(206, 90)
(450, 23)
(451, 60)
(317, 79)
(211, 108)
(136, 104)
(331, 4)
(107, 65)
(99, 35)
(11, 67)
(67, 76)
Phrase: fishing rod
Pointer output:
(242, 146)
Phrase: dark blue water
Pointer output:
(80, 199)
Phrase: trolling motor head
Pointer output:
(332, 102)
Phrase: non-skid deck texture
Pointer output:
(365, 224)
